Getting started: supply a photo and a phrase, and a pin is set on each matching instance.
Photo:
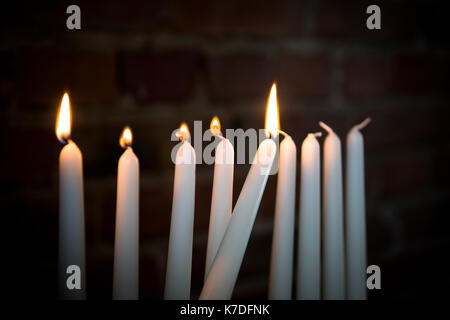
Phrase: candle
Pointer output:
(71, 210)
(355, 215)
(126, 246)
(333, 224)
(222, 194)
(308, 257)
(281, 265)
(225, 268)
(179, 260)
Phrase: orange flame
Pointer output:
(215, 126)
(64, 120)
(126, 139)
(183, 132)
(272, 116)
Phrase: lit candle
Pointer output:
(308, 257)
(222, 194)
(355, 215)
(333, 246)
(71, 209)
(225, 268)
(281, 266)
(126, 246)
(179, 259)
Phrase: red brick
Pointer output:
(397, 126)
(249, 17)
(366, 77)
(165, 75)
(239, 75)
(400, 175)
(8, 69)
(379, 236)
(421, 73)
(134, 15)
(425, 219)
(303, 75)
(31, 159)
(256, 263)
(89, 77)
(151, 276)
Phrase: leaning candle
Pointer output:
(333, 236)
(71, 209)
(281, 265)
(179, 259)
(225, 268)
(126, 246)
(222, 194)
(308, 257)
(355, 215)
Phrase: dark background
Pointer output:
(153, 64)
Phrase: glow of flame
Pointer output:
(272, 117)
(126, 139)
(64, 120)
(183, 132)
(215, 126)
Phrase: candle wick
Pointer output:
(283, 133)
(325, 126)
(363, 124)
(220, 136)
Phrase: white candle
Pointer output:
(222, 194)
(355, 215)
(281, 263)
(333, 237)
(225, 268)
(179, 259)
(126, 246)
(71, 210)
(308, 257)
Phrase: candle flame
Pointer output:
(272, 116)
(215, 126)
(64, 120)
(183, 132)
(126, 138)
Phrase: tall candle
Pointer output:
(355, 215)
(281, 263)
(333, 224)
(308, 257)
(179, 259)
(71, 210)
(224, 271)
(126, 246)
(222, 194)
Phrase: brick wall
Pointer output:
(153, 64)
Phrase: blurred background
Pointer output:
(153, 64)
